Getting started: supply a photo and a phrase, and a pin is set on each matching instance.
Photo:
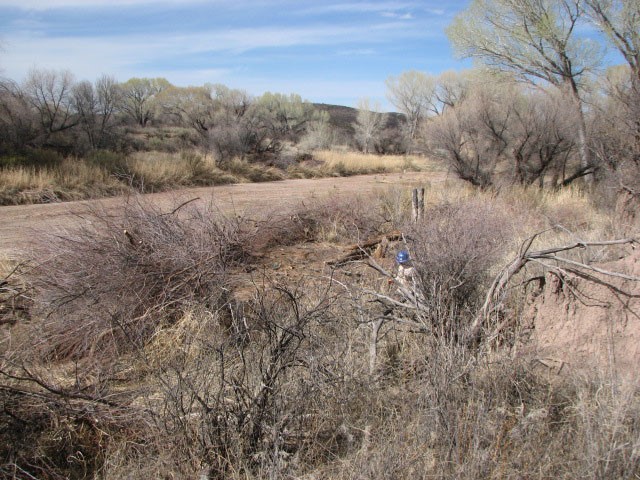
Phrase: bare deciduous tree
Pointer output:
(501, 132)
(19, 126)
(96, 106)
(616, 136)
(452, 88)
(319, 134)
(369, 124)
(541, 139)
(620, 21)
(412, 93)
(138, 95)
(472, 137)
(190, 106)
(537, 41)
(50, 94)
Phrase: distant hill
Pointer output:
(342, 118)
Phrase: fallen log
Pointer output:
(373, 247)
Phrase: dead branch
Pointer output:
(587, 267)
(547, 257)
(364, 250)
(30, 378)
(180, 206)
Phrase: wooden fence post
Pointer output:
(417, 201)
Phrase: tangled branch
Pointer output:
(550, 259)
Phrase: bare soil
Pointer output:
(20, 225)
(590, 326)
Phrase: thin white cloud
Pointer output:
(230, 40)
(243, 39)
(90, 59)
(357, 52)
(398, 16)
(192, 77)
(360, 7)
(127, 55)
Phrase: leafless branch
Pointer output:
(497, 290)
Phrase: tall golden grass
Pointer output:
(353, 163)
(70, 180)
(77, 178)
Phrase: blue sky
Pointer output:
(327, 51)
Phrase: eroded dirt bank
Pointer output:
(590, 325)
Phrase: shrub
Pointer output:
(454, 250)
(112, 285)
(237, 395)
(188, 362)
(54, 437)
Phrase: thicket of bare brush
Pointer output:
(142, 361)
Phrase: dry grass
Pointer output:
(252, 172)
(107, 173)
(354, 163)
(157, 171)
(70, 180)
(565, 215)
(26, 178)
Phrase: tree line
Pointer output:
(50, 110)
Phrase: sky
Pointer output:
(327, 51)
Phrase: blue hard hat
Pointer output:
(402, 256)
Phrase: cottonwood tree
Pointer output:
(233, 124)
(50, 94)
(231, 131)
(472, 137)
(218, 114)
(95, 105)
(451, 89)
(615, 138)
(537, 41)
(369, 124)
(412, 93)
(275, 118)
(234, 103)
(319, 135)
(192, 107)
(283, 116)
(541, 138)
(137, 98)
(620, 22)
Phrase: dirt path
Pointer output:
(20, 224)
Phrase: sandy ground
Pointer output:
(19, 225)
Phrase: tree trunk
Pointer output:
(583, 144)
